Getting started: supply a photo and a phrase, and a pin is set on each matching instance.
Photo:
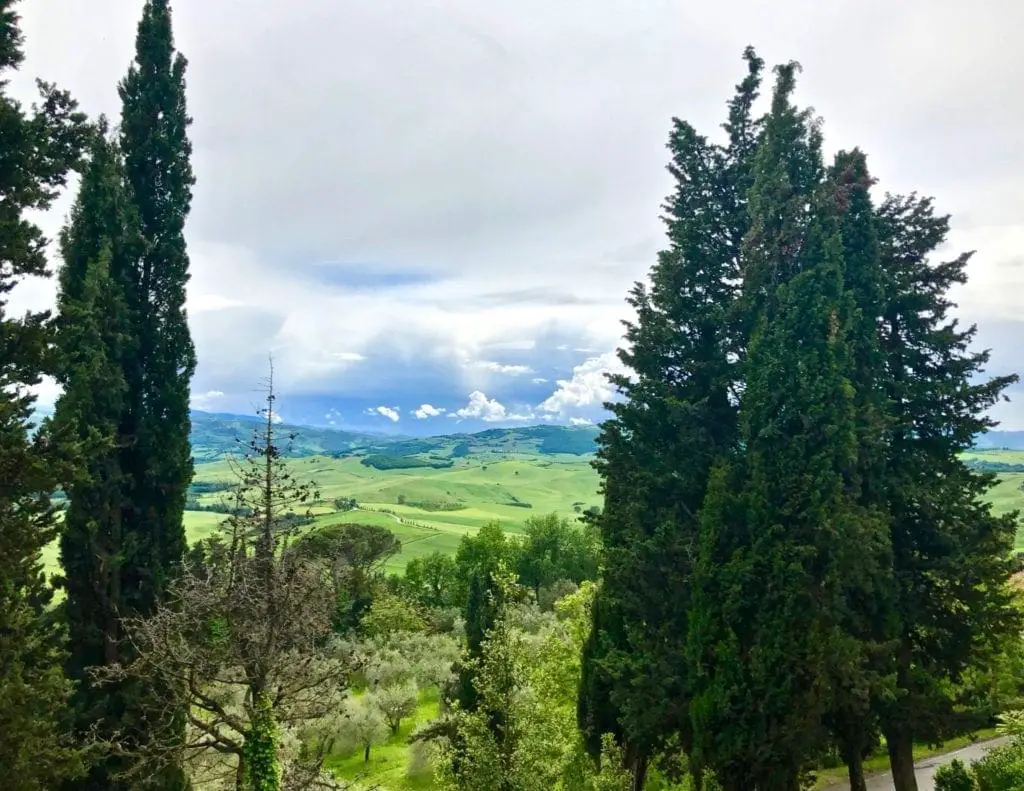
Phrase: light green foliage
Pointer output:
(953, 776)
(522, 735)
(1002, 769)
(389, 615)
(395, 701)
(361, 725)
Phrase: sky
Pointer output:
(430, 211)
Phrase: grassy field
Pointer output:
(431, 508)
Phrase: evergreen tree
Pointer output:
(39, 148)
(677, 416)
(951, 553)
(870, 617)
(158, 465)
(93, 341)
(785, 535)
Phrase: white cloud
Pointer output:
(47, 392)
(587, 389)
(502, 368)
(426, 410)
(353, 357)
(390, 412)
(580, 421)
(539, 380)
(490, 410)
(206, 401)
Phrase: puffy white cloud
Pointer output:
(580, 421)
(490, 410)
(390, 412)
(426, 410)
(588, 388)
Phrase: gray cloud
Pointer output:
(490, 164)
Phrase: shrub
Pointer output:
(1001, 770)
(953, 777)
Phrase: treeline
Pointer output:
(382, 461)
(797, 560)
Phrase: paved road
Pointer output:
(926, 768)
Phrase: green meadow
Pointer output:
(430, 509)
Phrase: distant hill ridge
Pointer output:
(217, 434)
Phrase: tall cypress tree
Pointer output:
(870, 588)
(951, 553)
(94, 339)
(156, 149)
(784, 534)
(39, 148)
(677, 416)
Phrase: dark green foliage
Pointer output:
(951, 554)
(678, 415)
(484, 555)
(126, 360)
(432, 580)
(577, 442)
(158, 176)
(39, 148)
(94, 342)
(555, 550)
(356, 555)
(380, 461)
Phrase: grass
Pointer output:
(482, 489)
(879, 762)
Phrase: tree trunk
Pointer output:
(855, 767)
(639, 774)
(366, 754)
(901, 760)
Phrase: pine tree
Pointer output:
(39, 148)
(951, 553)
(156, 149)
(677, 416)
(93, 341)
(784, 534)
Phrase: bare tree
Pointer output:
(240, 643)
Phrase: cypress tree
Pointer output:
(39, 148)
(158, 174)
(93, 341)
(784, 534)
(951, 554)
(870, 588)
(677, 416)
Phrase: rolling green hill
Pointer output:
(429, 508)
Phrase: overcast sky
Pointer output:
(435, 209)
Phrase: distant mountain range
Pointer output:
(216, 434)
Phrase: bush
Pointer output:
(1001, 770)
(953, 777)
